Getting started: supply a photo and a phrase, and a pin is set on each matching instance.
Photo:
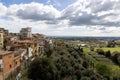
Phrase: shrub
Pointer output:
(81, 49)
(108, 54)
(91, 48)
(85, 64)
(100, 51)
(88, 72)
(103, 69)
(42, 69)
(94, 77)
(116, 57)
(85, 78)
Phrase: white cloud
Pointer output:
(93, 17)
(34, 11)
(93, 12)
(3, 9)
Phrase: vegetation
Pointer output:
(65, 63)
(71, 62)
(111, 44)
(116, 58)
(103, 69)
(110, 49)
(42, 69)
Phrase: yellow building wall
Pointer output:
(1, 40)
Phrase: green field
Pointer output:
(111, 49)
(100, 59)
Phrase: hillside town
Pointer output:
(17, 50)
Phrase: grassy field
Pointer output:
(86, 50)
(111, 49)
(115, 69)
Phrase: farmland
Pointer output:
(102, 60)
(111, 49)
(69, 61)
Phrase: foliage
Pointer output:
(91, 48)
(103, 69)
(42, 69)
(48, 51)
(100, 51)
(64, 63)
(116, 57)
(111, 44)
(111, 49)
(108, 54)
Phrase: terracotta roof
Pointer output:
(16, 45)
(5, 52)
(19, 52)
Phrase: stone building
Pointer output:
(26, 33)
(5, 31)
(1, 40)
(9, 63)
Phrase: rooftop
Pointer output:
(5, 52)
(25, 41)
(19, 52)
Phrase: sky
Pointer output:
(62, 17)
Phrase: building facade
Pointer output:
(1, 40)
(26, 33)
(4, 31)
(9, 64)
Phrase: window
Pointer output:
(10, 66)
(20, 61)
(0, 57)
(0, 67)
(16, 62)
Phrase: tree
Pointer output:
(81, 49)
(103, 69)
(63, 64)
(111, 44)
(91, 48)
(100, 51)
(116, 57)
(118, 60)
(85, 78)
(85, 64)
(108, 54)
(42, 69)
(48, 51)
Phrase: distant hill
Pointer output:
(84, 37)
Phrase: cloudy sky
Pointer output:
(62, 17)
